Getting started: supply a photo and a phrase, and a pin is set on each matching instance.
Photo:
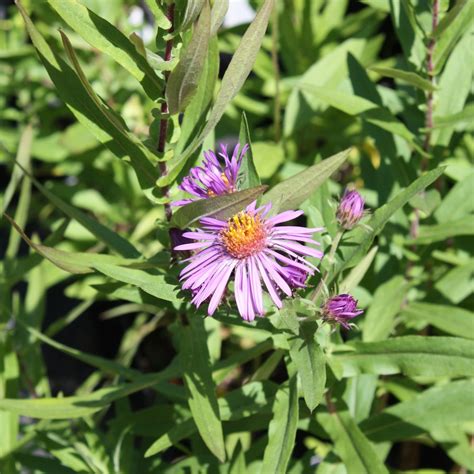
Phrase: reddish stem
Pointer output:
(164, 110)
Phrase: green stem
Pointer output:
(331, 255)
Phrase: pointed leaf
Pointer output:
(248, 176)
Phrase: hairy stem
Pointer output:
(164, 110)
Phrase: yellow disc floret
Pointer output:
(244, 235)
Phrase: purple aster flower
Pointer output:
(350, 210)
(254, 250)
(213, 178)
(341, 309)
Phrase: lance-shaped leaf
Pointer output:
(202, 390)
(234, 78)
(292, 192)
(411, 356)
(310, 362)
(453, 320)
(350, 443)
(282, 430)
(356, 275)
(248, 176)
(408, 77)
(102, 35)
(92, 112)
(102, 233)
(357, 242)
(81, 262)
(61, 408)
(219, 207)
(447, 405)
(184, 79)
(154, 284)
(218, 12)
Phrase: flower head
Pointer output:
(341, 309)
(350, 210)
(213, 178)
(252, 249)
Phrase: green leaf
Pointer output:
(453, 320)
(154, 284)
(184, 79)
(60, 408)
(350, 444)
(458, 283)
(449, 18)
(445, 43)
(82, 262)
(202, 390)
(219, 207)
(363, 108)
(234, 78)
(292, 192)
(408, 77)
(102, 233)
(426, 201)
(356, 275)
(445, 405)
(218, 12)
(455, 205)
(379, 320)
(464, 118)
(22, 157)
(102, 35)
(310, 362)
(248, 176)
(282, 430)
(90, 111)
(428, 234)
(193, 8)
(410, 355)
(358, 241)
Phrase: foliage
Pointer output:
(105, 106)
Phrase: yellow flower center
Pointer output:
(244, 235)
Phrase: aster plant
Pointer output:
(248, 246)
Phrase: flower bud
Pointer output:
(350, 210)
(341, 309)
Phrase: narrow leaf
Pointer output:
(234, 78)
(154, 284)
(184, 79)
(248, 176)
(219, 207)
(411, 356)
(282, 430)
(408, 77)
(202, 390)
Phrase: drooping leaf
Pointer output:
(219, 207)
